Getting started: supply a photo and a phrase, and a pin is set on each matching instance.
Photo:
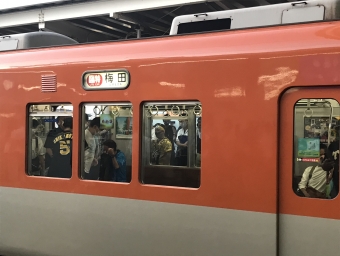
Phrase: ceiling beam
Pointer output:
(141, 22)
(129, 25)
(94, 30)
(262, 2)
(222, 5)
(86, 9)
(106, 26)
(10, 30)
(236, 4)
(86, 23)
(120, 24)
(171, 14)
(156, 27)
(26, 29)
(155, 19)
(212, 8)
(79, 34)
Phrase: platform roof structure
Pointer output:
(107, 20)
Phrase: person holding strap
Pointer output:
(163, 147)
(90, 147)
(113, 164)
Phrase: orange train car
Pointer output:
(262, 102)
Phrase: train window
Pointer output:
(203, 26)
(107, 142)
(171, 144)
(316, 148)
(50, 140)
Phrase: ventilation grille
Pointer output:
(48, 83)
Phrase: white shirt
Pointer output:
(317, 181)
(181, 132)
(97, 152)
(40, 151)
(153, 134)
(90, 151)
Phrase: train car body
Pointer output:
(247, 81)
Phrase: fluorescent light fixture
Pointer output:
(24, 3)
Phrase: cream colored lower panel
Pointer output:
(306, 236)
(50, 223)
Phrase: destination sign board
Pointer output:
(106, 80)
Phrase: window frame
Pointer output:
(82, 134)
(29, 117)
(299, 104)
(146, 136)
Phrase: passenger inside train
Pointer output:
(38, 151)
(92, 148)
(163, 147)
(61, 148)
(315, 180)
(170, 133)
(49, 140)
(113, 163)
(182, 143)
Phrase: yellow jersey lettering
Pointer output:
(64, 147)
(69, 136)
(57, 139)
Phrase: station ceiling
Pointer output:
(107, 20)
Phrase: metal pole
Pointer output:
(139, 33)
(330, 125)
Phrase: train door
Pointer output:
(309, 208)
